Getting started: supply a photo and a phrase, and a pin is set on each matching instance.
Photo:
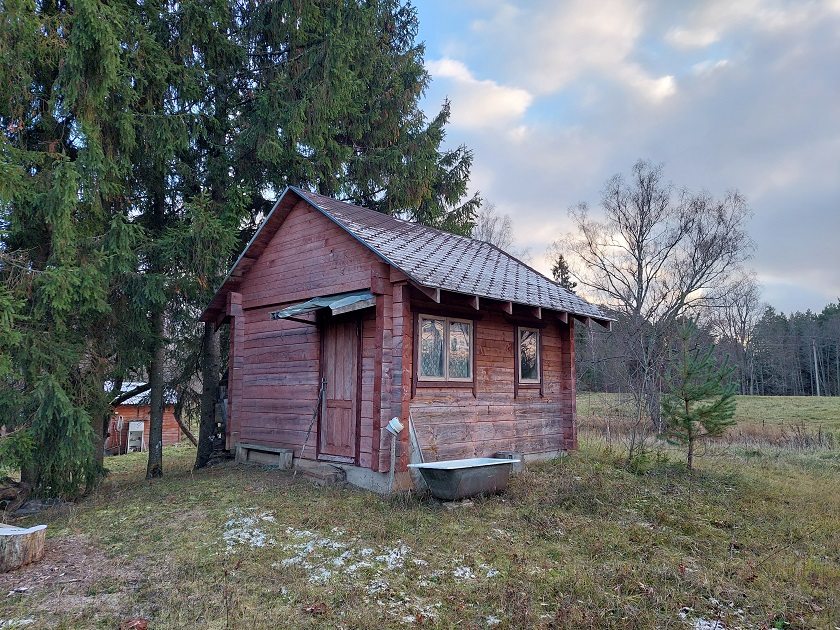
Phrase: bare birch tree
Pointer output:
(734, 320)
(497, 229)
(656, 254)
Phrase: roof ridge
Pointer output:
(428, 256)
(420, 226)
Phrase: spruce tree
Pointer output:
(561, 273)
(700, 400)
(332, 104)
(63, 144)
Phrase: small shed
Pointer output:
(128, 430)
(468, 345)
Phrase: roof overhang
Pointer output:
(337, 304)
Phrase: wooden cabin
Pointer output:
(128, 431)
(395, 320)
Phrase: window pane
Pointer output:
(460, 338)
(431, 347)
(529, 369)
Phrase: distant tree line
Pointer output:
(780, 355)
(794, 355)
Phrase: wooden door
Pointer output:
(339, 412)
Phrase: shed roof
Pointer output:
(430, 258)
(143, 398)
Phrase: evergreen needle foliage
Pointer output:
(140, 145)
(701, 400)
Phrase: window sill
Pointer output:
(446, 384)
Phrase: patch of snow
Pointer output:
(376, 586)
(463, 573)
(320, 574)
(15, 623)
(707, 624)
(395, 558)
(339, 562)
(353, 568)
(245, 530)
(339, 555)
(493, 621)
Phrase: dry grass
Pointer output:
(579, 542)
(788, 422)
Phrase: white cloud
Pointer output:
(555, 44)
(479, 103)
(699, 37)
(708, 67)
(654, 90)
(708, 24)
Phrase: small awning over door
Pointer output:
(340, 303)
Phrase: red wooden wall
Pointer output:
(275, 373)
(135, 413)
(455, 422)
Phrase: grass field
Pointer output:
(801, 422)
(755, 411)
(750, 539)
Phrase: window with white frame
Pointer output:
(528, 353)
(445, 349)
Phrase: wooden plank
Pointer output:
(432, 293)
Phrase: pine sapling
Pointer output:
(701, 400)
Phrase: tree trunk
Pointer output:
(155, 465)
(101, 431)
(209, 394)
(179, 420)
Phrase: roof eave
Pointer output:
(217, 303)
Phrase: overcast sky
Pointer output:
(555, 96)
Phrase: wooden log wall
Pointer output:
(136, 413)
(275, 372)
(277, 390)
(454, 422)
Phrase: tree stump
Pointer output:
(19, 546)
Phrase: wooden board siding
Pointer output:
(309, 256)
(453, 423)
(276, 386)
(116, 441)
(279, 388)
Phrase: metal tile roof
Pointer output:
(440, 260)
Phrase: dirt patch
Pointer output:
(74, 579)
